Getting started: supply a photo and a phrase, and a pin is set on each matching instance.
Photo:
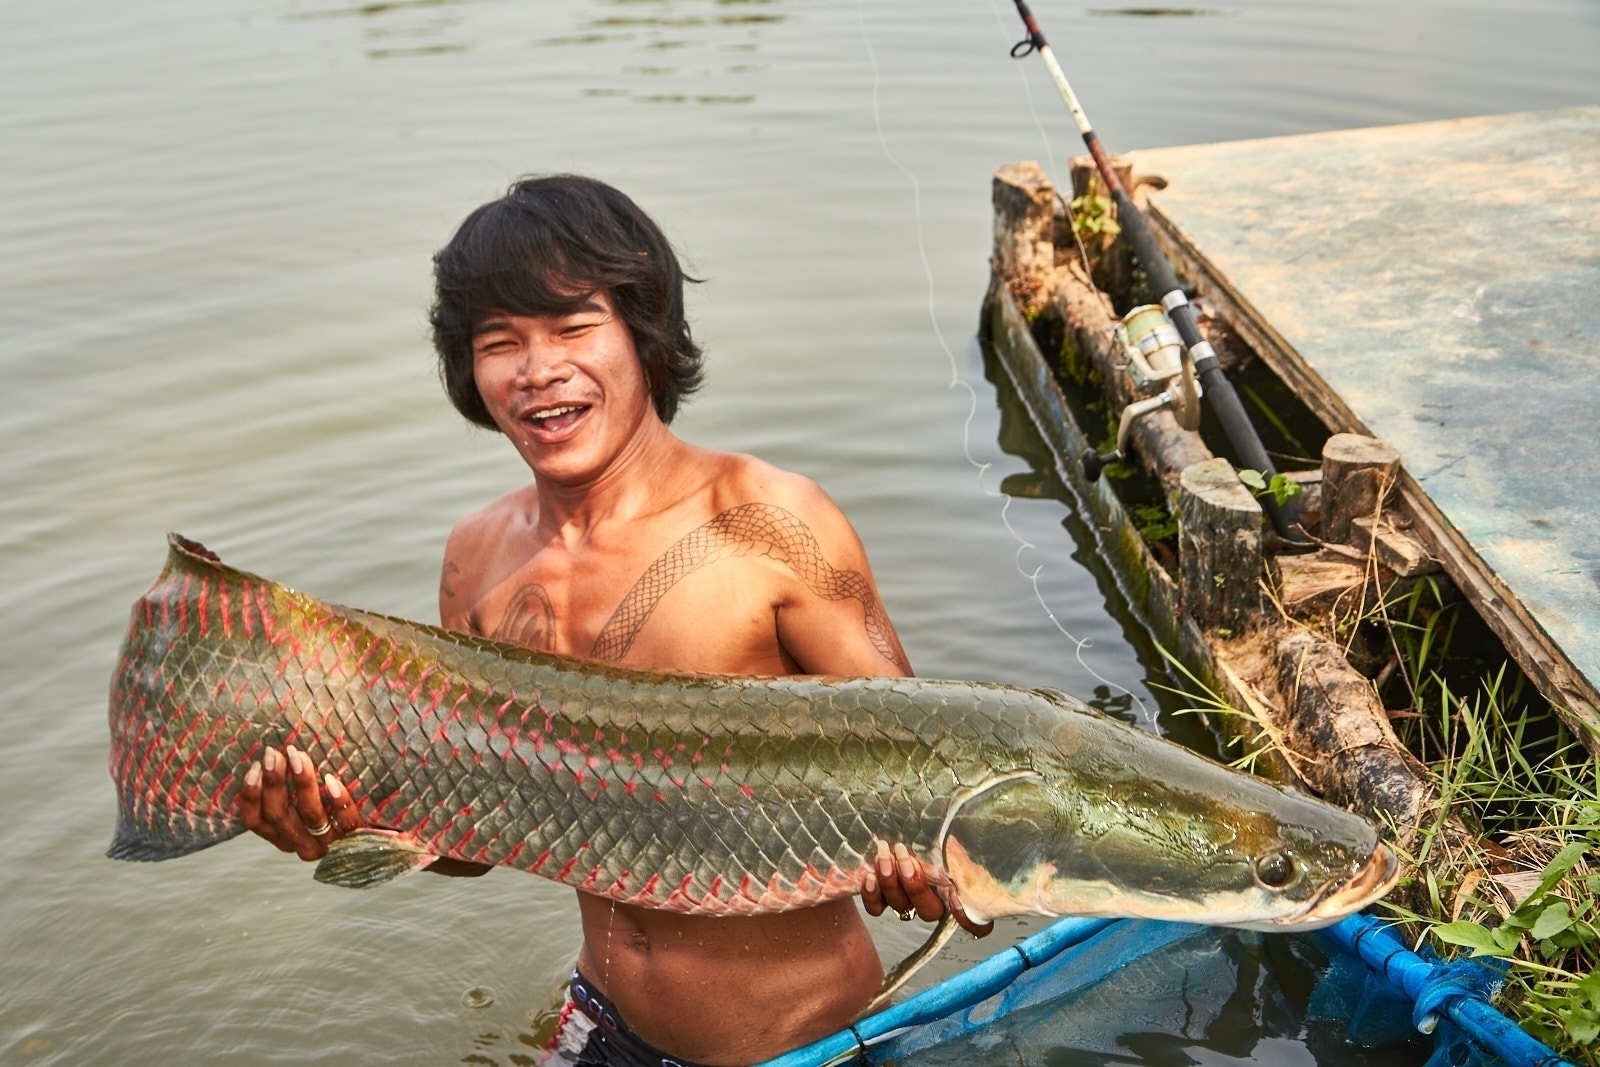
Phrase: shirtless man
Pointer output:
(559, 323)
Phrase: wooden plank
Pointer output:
(1432, 285)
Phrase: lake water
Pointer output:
(216, 233)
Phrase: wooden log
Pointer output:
(1325, 587)
(1392, 547)
(1358, 476)
(1345, 748)
(1083, 169)
(1024, 232)
(1110, 260)
(1219, 548)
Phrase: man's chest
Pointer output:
(702, 603)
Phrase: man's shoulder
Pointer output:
(744, 479)
(479, 551)
(489, 524)
(754, 489)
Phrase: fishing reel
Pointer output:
(1152, 353)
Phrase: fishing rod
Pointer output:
(1199, 354)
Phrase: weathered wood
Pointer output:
(1150, 592)
(1219, 548)
(1572, 694)
(1185, 618)
(1346, 749)
(1083, 170)
(1110, 260)
(1368, 344)
(1323, 586)
(1024, 231)
(1358, 477)
(1392, 547)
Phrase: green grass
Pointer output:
(1508, 865)
(1504, 868)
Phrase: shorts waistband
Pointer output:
(599, 1009)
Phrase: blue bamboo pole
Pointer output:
(1440, 990)
(962, 991)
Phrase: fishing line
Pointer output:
(1079, 644)
(1050, 155)
(1004, 34)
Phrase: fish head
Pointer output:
(1167, 835)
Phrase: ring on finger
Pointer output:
(323, 830)
(907, 915)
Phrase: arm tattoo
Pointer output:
(529, 620)
(747, 530)
(446, 590)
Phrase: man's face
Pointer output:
(567, 390)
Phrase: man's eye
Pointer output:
(578, 329)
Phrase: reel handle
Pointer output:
(1095, 462)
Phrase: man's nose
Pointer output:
(541, 366)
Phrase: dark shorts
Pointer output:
(592, 1034)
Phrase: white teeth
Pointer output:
(550, 413)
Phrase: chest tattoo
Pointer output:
(529, 620)
(747, 530)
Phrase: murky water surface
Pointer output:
(216, 230)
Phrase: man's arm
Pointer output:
(832, 622)
(831, 619)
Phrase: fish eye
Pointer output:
(1275, 870)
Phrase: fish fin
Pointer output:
(366, 857)
(902, 971)
(1063, 699)
(144, 844)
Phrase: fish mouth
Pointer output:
(1375, 878)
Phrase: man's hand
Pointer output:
(900, 883)
(280, 801)
(295, 819)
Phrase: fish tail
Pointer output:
(145, 843)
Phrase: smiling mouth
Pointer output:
(556, 417)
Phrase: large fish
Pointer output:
(697, 794)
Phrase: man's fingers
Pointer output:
(274, 815)
(249, 808)
(341, 808)
(274, 791)
(281, 800)
(284, 826)
(899, 881)
(888, 873)
(919, 893)
(871, 895)
(308, 805)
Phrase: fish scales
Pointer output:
(699, 794)
(611, 779)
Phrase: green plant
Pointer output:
(1502, 870)
(1094, 215)
(1281, 488)
(1245, 740)
(1155, 523)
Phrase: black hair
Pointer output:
(545, 248)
